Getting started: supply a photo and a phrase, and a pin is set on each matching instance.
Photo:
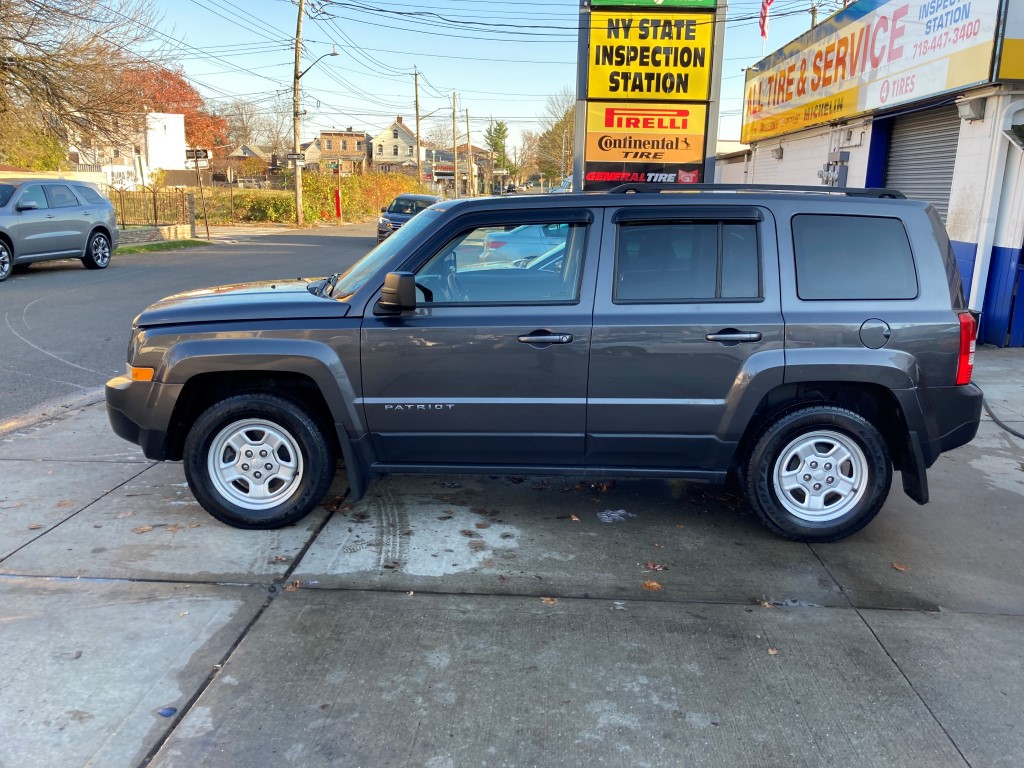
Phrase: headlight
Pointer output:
(382, 222)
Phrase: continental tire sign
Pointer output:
(648, 80)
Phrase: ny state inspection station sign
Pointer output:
(648, 78)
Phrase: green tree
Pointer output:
(496, 140)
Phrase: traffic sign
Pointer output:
(197, 154)
(295, 156)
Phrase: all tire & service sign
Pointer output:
(646, 81)
(873, 55)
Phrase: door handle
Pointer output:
(546, 338)
(50, 216)
(87, 213)
(730, 336)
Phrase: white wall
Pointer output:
(805, 153)
(165, 142)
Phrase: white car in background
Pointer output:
(523, 242)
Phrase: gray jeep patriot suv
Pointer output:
(805, 342)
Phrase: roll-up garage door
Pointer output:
(922, 151)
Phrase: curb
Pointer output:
(53, 411)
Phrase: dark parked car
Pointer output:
(805, 342)
(402, 208)
(43, 219)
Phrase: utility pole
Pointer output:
(416, 85)
(296, 115)
(455, 147)
(470, 176)
(814, 14)
(490, 147)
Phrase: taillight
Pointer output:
(968, 342)
(495, 244)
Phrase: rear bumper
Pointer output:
(952, 416)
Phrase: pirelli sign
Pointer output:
(648, 83)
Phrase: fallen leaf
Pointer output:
(765, 604)
(515, 480)
(549, 600)
(651, 585)
(653, 566)
(481, 526)
(183, 613)
(900, 567)
(657, 546)
(773, 651)
(469, 534)
(122, 515)
(35, 526)
(410, 594)
(280, 559)
(680, 526)
(10, 505)
(172, 528)
(295, 586)
(142, 529)
(574, 518)
(65, 503)
(193, 524)
(445, 517)
(77, 655)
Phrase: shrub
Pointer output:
(362, 197)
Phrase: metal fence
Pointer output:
(150, 206)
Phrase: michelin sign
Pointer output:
(646, 82)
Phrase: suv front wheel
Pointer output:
(258, 461)
(820, 473)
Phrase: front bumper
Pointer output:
(140, 413)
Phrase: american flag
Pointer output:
(765, 5)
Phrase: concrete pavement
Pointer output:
(470, 621)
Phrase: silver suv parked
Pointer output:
(43, 219)
(805, 342)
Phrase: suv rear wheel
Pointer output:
(97, 252)
(258, 461)
(819, 473)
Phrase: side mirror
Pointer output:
(398, 295)
(384, 209)
(28, 205)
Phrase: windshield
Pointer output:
(6, 190)
(357, 275)
(408, 205)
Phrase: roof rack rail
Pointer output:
(879, 192)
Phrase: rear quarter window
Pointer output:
(852, 258)
(89, 194)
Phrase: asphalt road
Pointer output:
(64, 329)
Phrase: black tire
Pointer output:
(97, 252)
(6, 261)
(782, 475)
(294, 442)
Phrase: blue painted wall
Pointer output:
(966, 255)
(1000, 312)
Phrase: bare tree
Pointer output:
(62, 65)
(556, 145)
(267, 124)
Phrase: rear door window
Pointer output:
(852, 258)
(687, 261)
(60, 196)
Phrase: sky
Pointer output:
(502, 57)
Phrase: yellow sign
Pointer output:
(637, 132)
(876, 54)
(1011, 64)
(650, 56)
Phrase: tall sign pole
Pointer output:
(297, 116)
(647, 84)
